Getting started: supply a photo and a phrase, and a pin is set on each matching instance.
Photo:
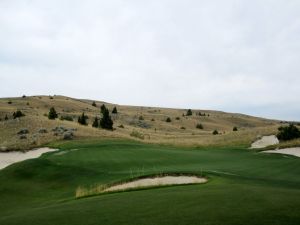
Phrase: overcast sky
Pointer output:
(237, 56)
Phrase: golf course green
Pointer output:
(244, 186)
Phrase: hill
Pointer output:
(147, 124)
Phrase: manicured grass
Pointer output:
(244, 187)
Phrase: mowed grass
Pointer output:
(245, 187)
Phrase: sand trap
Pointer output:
(157, 181)
(8, 158)
(65, 152)
(265, 141)
(287, 151)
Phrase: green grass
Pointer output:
(244, 187)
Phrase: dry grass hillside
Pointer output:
(147, 124)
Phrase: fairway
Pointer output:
(244, 186)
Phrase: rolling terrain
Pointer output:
(147, 124)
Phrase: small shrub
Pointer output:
(234, 129)
(288, 132)
(121, 126)
(199, 126)
(24, 96)
(137, 134)
(182, 128)
(177, 118)
(52, 115)
(6, 117)
(168, 120)
(141, 118)
(215, 132)
(94, 104)
(9, 102)
(152, 120)
(66, 117)
(18, 114)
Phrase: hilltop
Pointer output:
(147, 124)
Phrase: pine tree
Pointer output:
(189, 112)
(52, 115)
(168, 120)
(94, 104)
(96, 122)
(114, 111)
(106, 121)
(102, 108)
(6, 117)
(235, 129)
(82, 119)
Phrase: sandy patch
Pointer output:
(65, 152)
(265, 141)
(8, 158)
(286, 151)
(157, 181)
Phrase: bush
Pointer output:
(114, 111)
(141, 118)
(168, 120)
(199, 126)
(215, 132)
(182, 128)
(137, 134)
(52, 115)
(82, 119)
(68, 118)
(24, 96)
(177, 118)
(94, 104)
(121, 126)
(17, 114)
(189, 112)
(6, 117)
(288, 132)
(234, 129)
(9, 102)
(152, 119)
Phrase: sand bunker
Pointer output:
(157, 181)
(8, 158)
(286, 151)
(265, 141)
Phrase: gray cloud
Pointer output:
(239, 56)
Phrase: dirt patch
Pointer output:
(286, 151)
(157, 181)
(265, 141)
(8, 158)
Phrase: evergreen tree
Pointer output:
(96, 122)
(94, 104)
(288, 133)
(189, 112)
(235, 129)
(52, 115)
(6, 117)
(215, 132)
(106, 121)
(102, 108)
(168, 120)
(199, 126)
(114, 111)
(82, 119)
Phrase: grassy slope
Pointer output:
(263, 188)
(158, 131)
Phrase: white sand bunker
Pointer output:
(265, 141)
(8, 158)
(157, 181)
(286, 151)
